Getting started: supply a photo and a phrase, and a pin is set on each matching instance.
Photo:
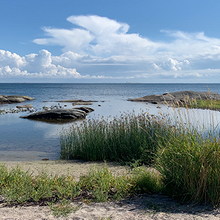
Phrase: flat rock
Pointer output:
(82, 103)
(14, 99)
(76, 100)
(177, 96)
(85, 109)
(60, 114)
(28, 106)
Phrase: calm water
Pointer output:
(23, 139)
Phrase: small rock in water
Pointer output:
(24, 106)
(82, 103)
(60, 114)
(14, 99)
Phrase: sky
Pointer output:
(117, 41)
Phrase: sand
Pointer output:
(76, 168)
(141, 207)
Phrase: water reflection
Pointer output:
(26, 139)
(204, 121)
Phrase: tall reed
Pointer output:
(186, 154)
(189, 164)
(129, 137)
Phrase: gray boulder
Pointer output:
(60, 114)
(14, 99)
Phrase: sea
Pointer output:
(27, 140)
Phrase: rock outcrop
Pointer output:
(76, 100)
(60, 114)
(14, 99)
(28, 106)
(177, 96)
(82, 103)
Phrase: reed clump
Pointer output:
(189, 161)
(186, 156)
(189, 165)
(127, 138)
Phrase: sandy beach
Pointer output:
(76, 168)
(141, 207)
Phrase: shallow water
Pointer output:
(23, 139)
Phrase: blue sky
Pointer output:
(149, 41)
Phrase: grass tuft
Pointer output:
(130, 137)
(62, 208)
(19, 187)
(105, 186)
(189, 166)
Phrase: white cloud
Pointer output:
(172, 65)
(11, 59)
(98, 36)
(104, 37)
(74, 40)
(34, 65)
(44, 65)
(101, 48)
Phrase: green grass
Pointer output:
(189, 166)
(19, 187)
(202, 104)
(2, 112)
(105, 186)
(186, 161)
(187, 157)
(63, 208)
(127, 138)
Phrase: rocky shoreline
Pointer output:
(14, 99)
(51, 114)
(177, 97)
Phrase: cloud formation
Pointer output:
(101, 48)
(33, 65)
(98, 36)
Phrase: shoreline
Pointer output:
(155, 206)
